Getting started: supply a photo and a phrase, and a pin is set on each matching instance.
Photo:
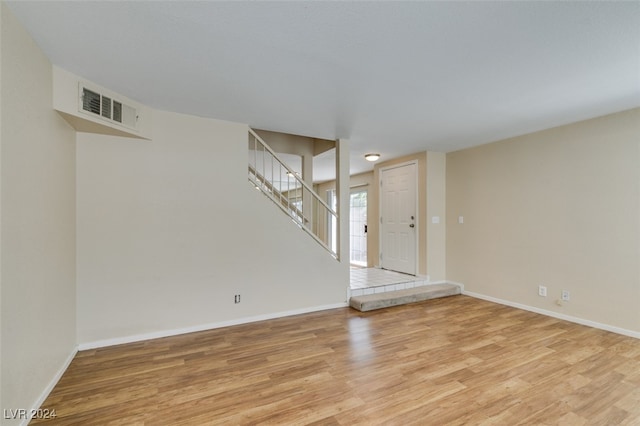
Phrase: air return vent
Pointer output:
(107, 108)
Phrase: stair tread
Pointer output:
(370, 302)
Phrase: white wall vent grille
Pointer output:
(107, 108)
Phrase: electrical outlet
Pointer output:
(542, 291)
(566, 295)
(236, 298)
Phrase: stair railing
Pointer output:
(275, 179)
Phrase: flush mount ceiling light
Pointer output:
(371, 157)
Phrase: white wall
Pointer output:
(168, 230)
(559, 208)
(37, 224)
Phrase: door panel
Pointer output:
(398, 212)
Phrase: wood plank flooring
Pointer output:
(453, 361)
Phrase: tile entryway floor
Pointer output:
(375, 280)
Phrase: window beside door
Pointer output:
(357, 225)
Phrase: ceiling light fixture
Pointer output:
(371, 157)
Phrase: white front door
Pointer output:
(398, 219)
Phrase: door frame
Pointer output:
(417, 204)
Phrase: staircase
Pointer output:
(295, 197)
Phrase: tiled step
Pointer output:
(370, 302)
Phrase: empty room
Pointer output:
(316, 212)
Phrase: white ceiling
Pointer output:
(393, 77)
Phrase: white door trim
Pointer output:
(417, 239)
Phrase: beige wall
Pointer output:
(436, 208)
(559, 208)
(170, 229)
(37, 226)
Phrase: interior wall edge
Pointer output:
(52, 384)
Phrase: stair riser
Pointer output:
(403, 297)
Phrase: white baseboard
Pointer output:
(203, 327)
(569, 318)
(54, 381)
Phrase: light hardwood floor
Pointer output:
(454, 361)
